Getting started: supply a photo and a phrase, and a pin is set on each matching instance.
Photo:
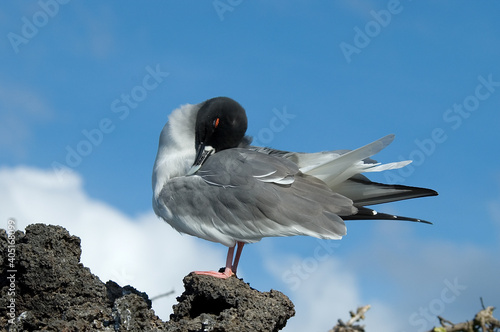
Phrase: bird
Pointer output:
(210, 182)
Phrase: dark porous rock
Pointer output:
(211, 304)
(44, 287)
(55, 292)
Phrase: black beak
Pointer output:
(202, 153)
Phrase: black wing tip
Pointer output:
(431, 192)
(369, 214)
(424, 222)
(407, 192)
(412, 219)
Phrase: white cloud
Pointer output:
(324, 297)
(142, 251)
(326, 292)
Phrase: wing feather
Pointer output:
(365, 192)
(231, 204)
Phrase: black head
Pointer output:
(221, 123)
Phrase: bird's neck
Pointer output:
(176, 149)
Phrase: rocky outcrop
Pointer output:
(44, 287)
(211, 304)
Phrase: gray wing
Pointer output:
(244, 195)
(358, 188)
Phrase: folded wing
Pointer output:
(341, 169)
(244, 195)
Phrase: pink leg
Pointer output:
(231, 267)
(237, 258)
(228, 270)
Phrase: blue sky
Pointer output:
(88, 86)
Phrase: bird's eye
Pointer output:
(216, 123)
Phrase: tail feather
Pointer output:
(349, 164)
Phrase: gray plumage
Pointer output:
(236, 192)
(244, 195)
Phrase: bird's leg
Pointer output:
(228, 271)
(237, 257)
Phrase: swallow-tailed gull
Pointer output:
(210, 182)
